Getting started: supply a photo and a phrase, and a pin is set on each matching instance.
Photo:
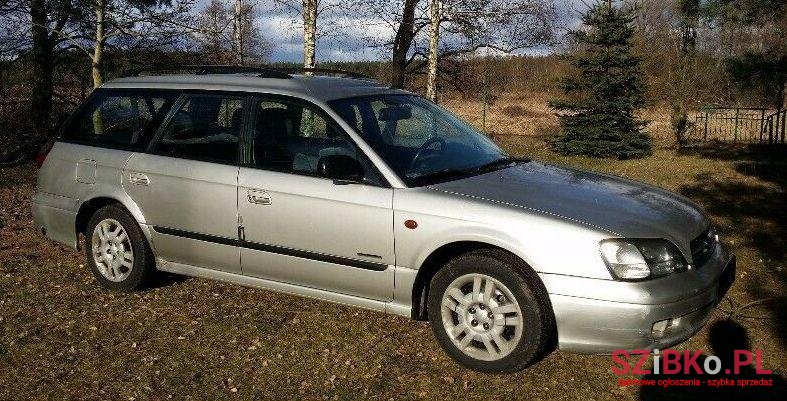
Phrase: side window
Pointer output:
(291, 137)
(119, 118)
(204, 127)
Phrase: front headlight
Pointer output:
(639, 259)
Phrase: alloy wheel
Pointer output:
(482, 317)
(112, 251)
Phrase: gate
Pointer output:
(739, 125)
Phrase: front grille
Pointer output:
(702, 248)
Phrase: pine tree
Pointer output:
(598, 115)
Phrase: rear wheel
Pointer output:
(117, 251)
(488, 313)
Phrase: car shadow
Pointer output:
(165, 279)
(725, 336)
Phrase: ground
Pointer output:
(63, 337)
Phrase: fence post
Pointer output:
(705, 135)
(735, 131)
(770, 129)
(762, 123)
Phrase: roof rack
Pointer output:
(261, 72)
(326, 71)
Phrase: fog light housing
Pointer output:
(661, 328)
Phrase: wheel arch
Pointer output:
(89, 206)
(439, 257)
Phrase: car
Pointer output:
(342, 189)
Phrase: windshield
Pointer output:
(420, 141)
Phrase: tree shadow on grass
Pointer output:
(725, 336)
(772, 154)
(757, 210)
(754, 210)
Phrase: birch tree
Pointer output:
(228, 35)
(126, 24)
(309, 14)
(309, 32)
(238, 19)
(434, 42)
(457, 28)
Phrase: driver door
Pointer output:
(308, 230)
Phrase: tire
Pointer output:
(517, 292)
(114, 267)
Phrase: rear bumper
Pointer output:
(601, 326)
(54, 218)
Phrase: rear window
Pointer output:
(119, 118)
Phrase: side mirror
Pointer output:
(341, 168)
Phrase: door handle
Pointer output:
(139, 179)
(259, 197)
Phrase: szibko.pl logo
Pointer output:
(672, 362)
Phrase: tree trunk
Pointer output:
(237, 32)
(98, 49)
(309, 32)
(402, 42)
(434, 42)
(43, 65)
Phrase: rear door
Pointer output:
(186, 184)
(302, 229)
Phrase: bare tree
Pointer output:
(309, 14)
(14, 29)
(434, 42)
(309, 32)
(457, 28)
(47, 20)
(229, 35)
(238, 20)
(404, 19)
(126, 24)
(212, 27)
(504, 26)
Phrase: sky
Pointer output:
(348, 38)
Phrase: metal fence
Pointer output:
(739, 125)
(774, 128)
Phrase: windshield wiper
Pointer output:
(438, 175)
(500, 163)
(449, 173)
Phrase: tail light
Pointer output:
(44, 152)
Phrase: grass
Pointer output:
(63, 337)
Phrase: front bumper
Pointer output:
(622, 315)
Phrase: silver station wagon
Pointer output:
(342, 189)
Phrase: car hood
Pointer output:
(619, 206)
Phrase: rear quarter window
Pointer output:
(119, 118)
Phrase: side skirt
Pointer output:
(308, 292)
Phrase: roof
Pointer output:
(324, 88)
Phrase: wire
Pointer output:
(736, 311)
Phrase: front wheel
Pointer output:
(489, 312)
